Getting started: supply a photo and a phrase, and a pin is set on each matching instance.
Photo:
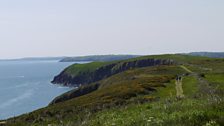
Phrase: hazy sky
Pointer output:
(86, 27)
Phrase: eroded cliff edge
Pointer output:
(73, 76)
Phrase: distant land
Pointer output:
(98, 58)
(124, 57)
(103, 58)
(33, 59)
(208, 54)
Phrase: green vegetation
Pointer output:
(208, 54)
(142, 96)
(171, 112)
(216, 80)
(92, 72)
(83, 68)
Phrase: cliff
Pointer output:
(102, 70)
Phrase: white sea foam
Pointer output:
(20, 76)
(62, 87)
(15, 87)
(10, 102)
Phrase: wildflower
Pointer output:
(211, 123)
(149, 120)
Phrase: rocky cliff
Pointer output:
(105, 71)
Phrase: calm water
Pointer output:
(25, 85)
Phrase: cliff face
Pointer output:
(75, 93)
(105, 71)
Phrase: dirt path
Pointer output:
(178, 83)
(179, 89)
(186, 69)
(205, 89)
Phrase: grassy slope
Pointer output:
(87, 73)
(122, 90)
(89, 67)
(144, 96)
(192, 110)
(216, 80)
(92, 72)
(82, 68)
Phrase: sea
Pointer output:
(26, 85)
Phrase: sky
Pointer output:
(36, 28)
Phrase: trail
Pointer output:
(186, 69)
(179, 89)
(178, 83)
(203, 84)
(205, 89)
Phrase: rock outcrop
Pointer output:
(75, 93)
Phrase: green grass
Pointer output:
(183, 59)
(84, 68)
(142, 74)
(180, 58)
(186, 69)
(95, 71)
(207, 66)
(216, 80)
(186, 112)
(190, 86)
(167, 111)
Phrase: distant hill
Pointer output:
(98, 58)
(208, 54)
(33, 59)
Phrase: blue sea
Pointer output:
(25, 85)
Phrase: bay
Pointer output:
(25, 85)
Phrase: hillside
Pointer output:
(91, 72)
(99, 58)
(208, 54)
(140, 95)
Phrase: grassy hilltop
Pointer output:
(137, 92)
